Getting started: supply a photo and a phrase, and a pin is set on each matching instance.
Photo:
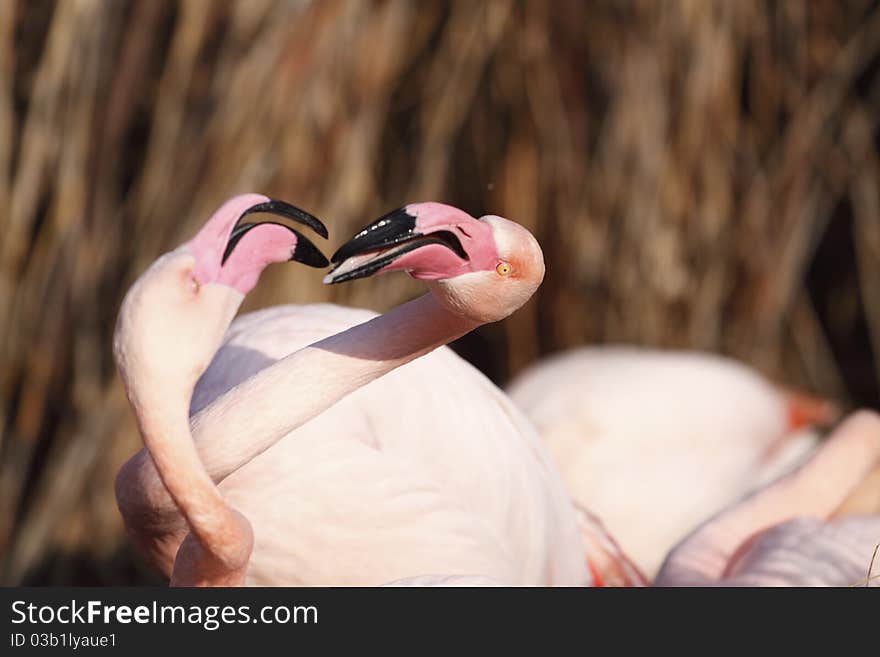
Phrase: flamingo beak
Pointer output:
(382, 242)
(304, 252)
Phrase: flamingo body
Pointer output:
(809, 551)
(429, 469)
(818, 525)
(653, 441)
(320, 445)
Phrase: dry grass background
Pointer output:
(701, 173)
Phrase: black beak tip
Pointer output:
(304, 251)
(385, 231)
(336, 258)
(308, 254)
(285, 209)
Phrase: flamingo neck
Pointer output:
(163, 422)
(191, 453)
(253, 416)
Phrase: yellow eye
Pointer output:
(194, 285)
(503, 268)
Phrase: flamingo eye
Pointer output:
(194, 285)
(503, 268)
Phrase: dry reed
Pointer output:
(700, 173)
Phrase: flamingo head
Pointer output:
(173, 318)
(482, 268)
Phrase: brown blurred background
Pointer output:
(700, 174)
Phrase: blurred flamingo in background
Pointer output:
(430, 471)
(818, 525)
(654, 442)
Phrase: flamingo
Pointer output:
(818, 525)
(656, 441)
(162, 343)
(428, 471)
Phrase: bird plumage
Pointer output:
(431, 460)
(811, 527)
(655, 441)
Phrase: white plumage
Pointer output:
(428, 469)
(816, 526)
(655, 441)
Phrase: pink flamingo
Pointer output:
(818, 525)
(429, 471)
(634, 432)
(163, 343)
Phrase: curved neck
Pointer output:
(251, 417)
(257, 413)
(164, 425)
